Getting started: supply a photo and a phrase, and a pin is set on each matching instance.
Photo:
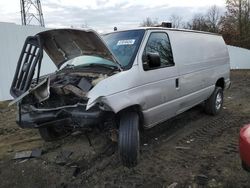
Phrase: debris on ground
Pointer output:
(182, 147)
(36, 153)
(201, 179)
(173, 185)
(23, 161)
(76, 133)
(28, 154)
(63, 157)
(23, 155)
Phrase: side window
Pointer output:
(159, 43)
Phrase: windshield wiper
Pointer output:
(117, 62)
(112, 67)
(68, 66)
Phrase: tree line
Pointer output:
(233, 24)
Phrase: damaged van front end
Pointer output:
(61, 97)
(56, 100)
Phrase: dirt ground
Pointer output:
(190, 150)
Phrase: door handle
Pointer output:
(177, 83)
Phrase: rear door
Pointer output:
(161, 85)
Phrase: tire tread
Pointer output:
(128, 139)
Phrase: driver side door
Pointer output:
(161, 83)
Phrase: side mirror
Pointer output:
(153, 60)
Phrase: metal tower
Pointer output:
(31, 12)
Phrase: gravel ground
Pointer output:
(190, 150)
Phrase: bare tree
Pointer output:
(236, 23)
(213, 18)
(176, 21)
(198, 22)
(210, 21)
(149, 22)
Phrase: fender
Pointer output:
(117, 91)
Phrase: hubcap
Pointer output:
(218, 102)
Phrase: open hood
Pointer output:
(64, 44)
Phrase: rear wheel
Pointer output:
(129, 139)
(51, 133)
(213, 104)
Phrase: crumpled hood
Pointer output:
(64, 44)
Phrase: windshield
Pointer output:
(124, 45)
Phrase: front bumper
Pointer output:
(76, 116)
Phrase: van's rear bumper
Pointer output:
(72, 115)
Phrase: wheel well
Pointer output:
(134, 108)
(220, 83)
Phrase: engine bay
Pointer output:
(63, 89)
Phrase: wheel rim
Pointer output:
(218, 102)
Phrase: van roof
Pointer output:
(169, 29)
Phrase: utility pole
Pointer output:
(31, 12)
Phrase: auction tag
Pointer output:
(125, 42)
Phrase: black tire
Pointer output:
(129, 139)
(51, 133)
(212, 106)
(245, 166)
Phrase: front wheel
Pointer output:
(129, 139)
(213, 104)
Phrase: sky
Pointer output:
(104, 15)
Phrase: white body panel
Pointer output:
(202, 59)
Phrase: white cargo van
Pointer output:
(130, 79)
